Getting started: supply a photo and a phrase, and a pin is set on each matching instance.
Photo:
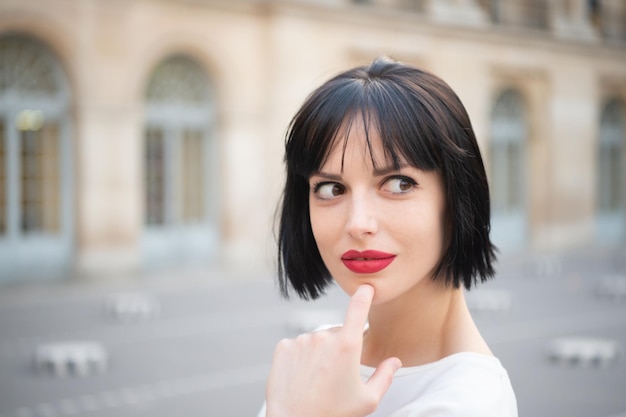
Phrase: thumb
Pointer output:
(380, 381)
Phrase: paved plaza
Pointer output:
(200, 343)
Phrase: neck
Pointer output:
(422, 326)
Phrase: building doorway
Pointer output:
(36, 169)
(180, 165)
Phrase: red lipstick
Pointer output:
(366, 262)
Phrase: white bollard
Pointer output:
(132, 306)
(584, 351)
(76, 358)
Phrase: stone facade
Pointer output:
(565, 59)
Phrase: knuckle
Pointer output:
(283, 345)
(303, 339)
(320, 338)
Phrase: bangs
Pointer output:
(406, 138)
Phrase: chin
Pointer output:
(349, 285)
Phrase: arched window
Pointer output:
(35, 164)
(508, 133)
(611, 183)
(179, 195)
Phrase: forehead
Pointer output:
(359, 140)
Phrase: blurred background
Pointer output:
(141, 163)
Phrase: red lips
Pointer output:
(366, 262)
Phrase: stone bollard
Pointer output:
(71, 358)
(132, 306)
(584, 351)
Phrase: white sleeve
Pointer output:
(262, 411)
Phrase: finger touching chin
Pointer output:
(350, 286)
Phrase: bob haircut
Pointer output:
(420, 119)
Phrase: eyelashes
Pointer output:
(326, 190)
(393, 184)
(399, 184)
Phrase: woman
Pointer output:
(386, 195)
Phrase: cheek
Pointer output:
(322, 226)
(423, 224)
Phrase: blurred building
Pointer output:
(147, 134)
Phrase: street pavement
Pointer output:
(205, 347)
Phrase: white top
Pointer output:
(460, 385)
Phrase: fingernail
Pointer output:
(366, 287)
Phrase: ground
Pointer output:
(207, 349)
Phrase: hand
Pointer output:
(317, 374)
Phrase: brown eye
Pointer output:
(329, 190)
(399, 185)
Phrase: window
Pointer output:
(155, 177)
(608, 18)
(178, 156)
(39, 162)
(30, 76)
(611, 183)
(35, 166)
(611, 163)
(192, 176)
(507, 153)
(507, 162)
(40, 180)
(174, 143)
(595, 12)
(188, 179)
(3, 179)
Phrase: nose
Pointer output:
(362, 219)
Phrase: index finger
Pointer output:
(358, 309)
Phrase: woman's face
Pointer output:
(384, 227)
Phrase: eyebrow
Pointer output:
(378, 172)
